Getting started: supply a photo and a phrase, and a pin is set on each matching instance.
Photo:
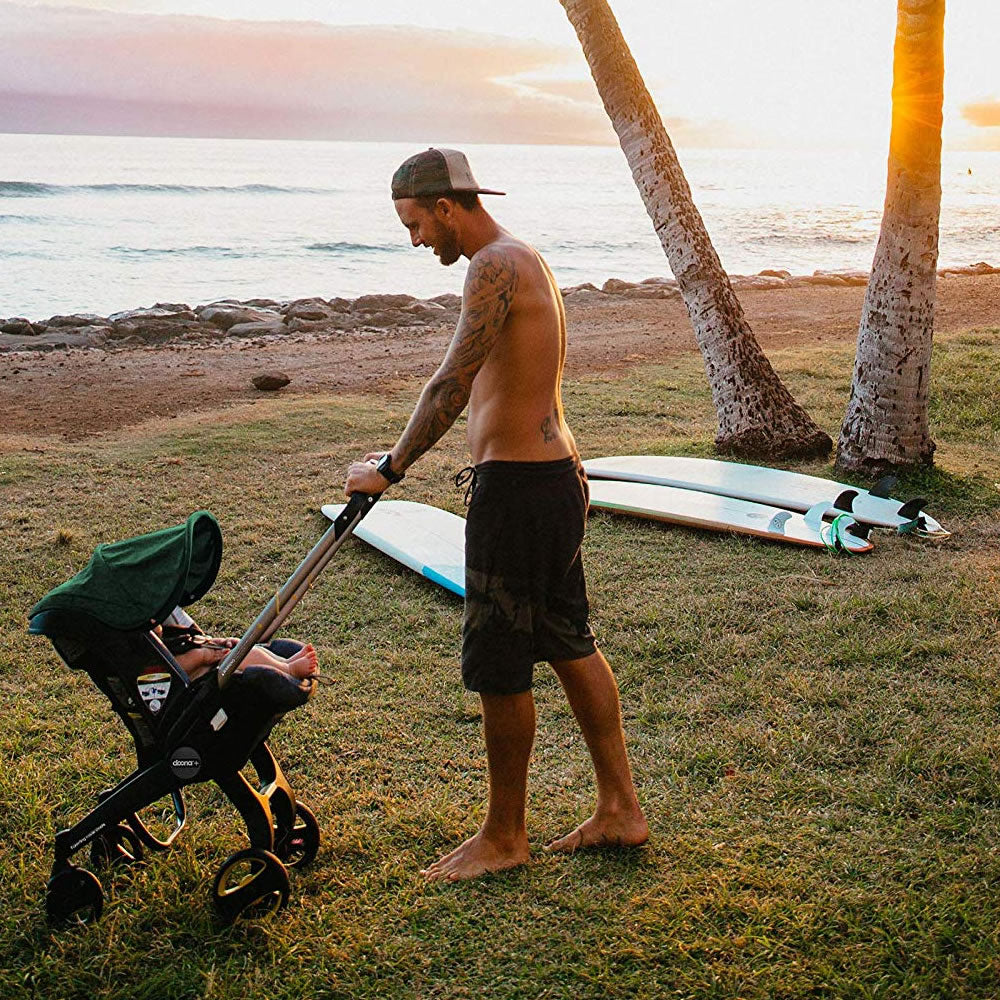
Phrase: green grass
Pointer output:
(814, 738)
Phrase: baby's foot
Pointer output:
(304, 663)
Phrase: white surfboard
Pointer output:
(774, 487)
(718, 513)
(426, 539)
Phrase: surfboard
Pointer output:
(695, 509)
(426, 539)
(773, 487)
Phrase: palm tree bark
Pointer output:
(885, 425)
(757, 416)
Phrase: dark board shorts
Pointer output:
(525, 594)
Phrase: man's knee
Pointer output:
(580, 665)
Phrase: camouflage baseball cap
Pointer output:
(435, 171)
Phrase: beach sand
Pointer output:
(73, 394)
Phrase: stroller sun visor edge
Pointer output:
(136, 583)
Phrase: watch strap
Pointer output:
(385, 469)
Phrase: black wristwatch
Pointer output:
(385, 469)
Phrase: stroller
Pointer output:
(102, 621)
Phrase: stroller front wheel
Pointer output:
(251, 883)
(73, 896)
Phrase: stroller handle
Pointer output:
(298, 584)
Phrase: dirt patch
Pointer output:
(81, 392)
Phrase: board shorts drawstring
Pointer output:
(469, 476)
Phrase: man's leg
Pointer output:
(593, 695)
(502, 841)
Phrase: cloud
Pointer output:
(79, 70)
(983, 114)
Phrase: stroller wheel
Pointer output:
(298, 847)
(73, 896)
(251, 883)
(118, 846)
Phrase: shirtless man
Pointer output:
(526, 599)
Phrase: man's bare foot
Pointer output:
(477, 856)
(605, 830)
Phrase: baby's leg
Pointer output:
(200, 660)
(301, 664)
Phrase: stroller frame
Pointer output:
(201, 730)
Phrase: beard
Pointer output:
(448, 249)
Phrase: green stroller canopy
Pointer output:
(136, 583)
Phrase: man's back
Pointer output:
(515, 410)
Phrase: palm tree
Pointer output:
(885, 425)
(757, 416)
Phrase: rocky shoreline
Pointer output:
(263, 319)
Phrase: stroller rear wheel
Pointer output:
(73, 896)
(251, 883)
(297, 847)
(118, 846)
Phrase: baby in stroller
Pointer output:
(198, 653)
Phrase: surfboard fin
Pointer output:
(859, 530)
(884, 487)
(814, 515)
(912, 508)
(846, 501)
(779, 520)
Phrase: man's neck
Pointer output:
(481, 230)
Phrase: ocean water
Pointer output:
(99, 224)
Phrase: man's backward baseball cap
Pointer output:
(435, 172)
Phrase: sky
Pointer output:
(723, 73)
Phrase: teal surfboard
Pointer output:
(426, 539)
(708, 511)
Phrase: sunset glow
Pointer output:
(723, 73)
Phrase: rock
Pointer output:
(77, 319)
(740, 281)
(658, 291)
(227, 316)
(307, 309)
(156, 330)
(270, 381)
(980, 268)
(262, 303)
(176, 307)
(575, 289)
(339, 305)
(771, 273)
(308, 326)
(390, 318)
(377, 303)
(153, 313)
(448, 300)
(18, 326)
(831, 280)
(425, 310)
(843, 277)
(615, 286)
(56, 340)
(258, 329)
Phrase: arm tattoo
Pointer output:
(490, 287)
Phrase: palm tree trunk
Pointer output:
(757, 415)
(885, 425)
